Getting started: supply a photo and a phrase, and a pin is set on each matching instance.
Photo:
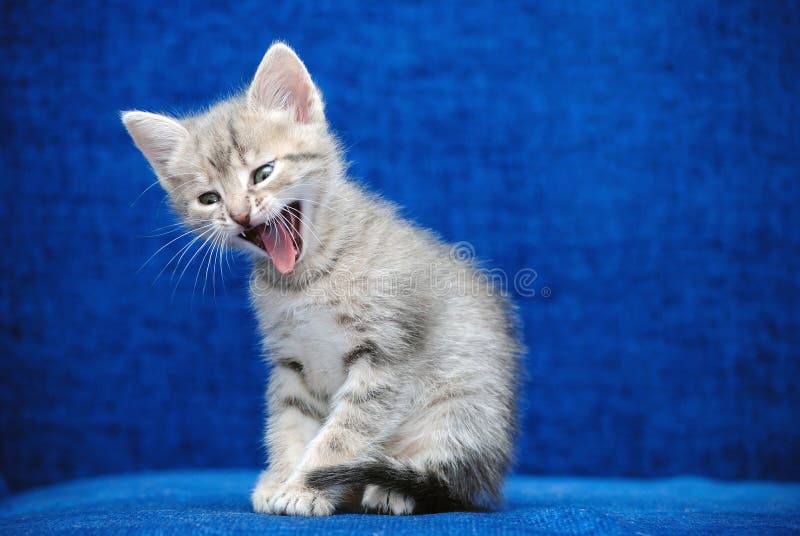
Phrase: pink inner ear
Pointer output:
(282, 81)
(302, 102)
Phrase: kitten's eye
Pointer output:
(263, 172)
(209, 198)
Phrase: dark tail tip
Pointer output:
(429, 492)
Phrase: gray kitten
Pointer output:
(394, 361)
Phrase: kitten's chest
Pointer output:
(309, 333)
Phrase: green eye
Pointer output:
(209, 198)
(263, 173)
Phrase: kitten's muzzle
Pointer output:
(242, 219)
(281, 237)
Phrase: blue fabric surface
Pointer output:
(216, 502)
(642, 157)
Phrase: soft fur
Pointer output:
(394, 360)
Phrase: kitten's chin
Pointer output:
(280, 239)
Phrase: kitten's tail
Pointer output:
(431, 493)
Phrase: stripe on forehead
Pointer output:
(220, 157)
(237, 146)
(221, 149)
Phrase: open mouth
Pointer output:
(280, 237)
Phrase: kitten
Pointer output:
(393, 366)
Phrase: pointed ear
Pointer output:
(282, 82)
(157, 136)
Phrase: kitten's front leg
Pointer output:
(367, 410)
(295, 417)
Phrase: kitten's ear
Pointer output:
(157, 136)
(282, 82)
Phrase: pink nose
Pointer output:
(242, 219)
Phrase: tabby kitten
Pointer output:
(394, 364)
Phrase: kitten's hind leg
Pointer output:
(448, 458)
(460, 454)
(378, 500)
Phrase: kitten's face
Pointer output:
(250, 171)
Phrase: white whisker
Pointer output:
(185, 251)
(164, 246)
(143, 192)
(307, 222)
(222, 246)
(182, 249)
(202, 262)
(189, 263)
(281, 219)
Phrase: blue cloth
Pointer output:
(641, 157)
(217, 502)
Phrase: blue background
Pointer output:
(642, 158)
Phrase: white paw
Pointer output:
(378, 500)
(263, 493)
(299, 500)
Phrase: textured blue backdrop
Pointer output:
(642, 158)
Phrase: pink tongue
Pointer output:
(279, 245)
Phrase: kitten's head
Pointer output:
(252, 170)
